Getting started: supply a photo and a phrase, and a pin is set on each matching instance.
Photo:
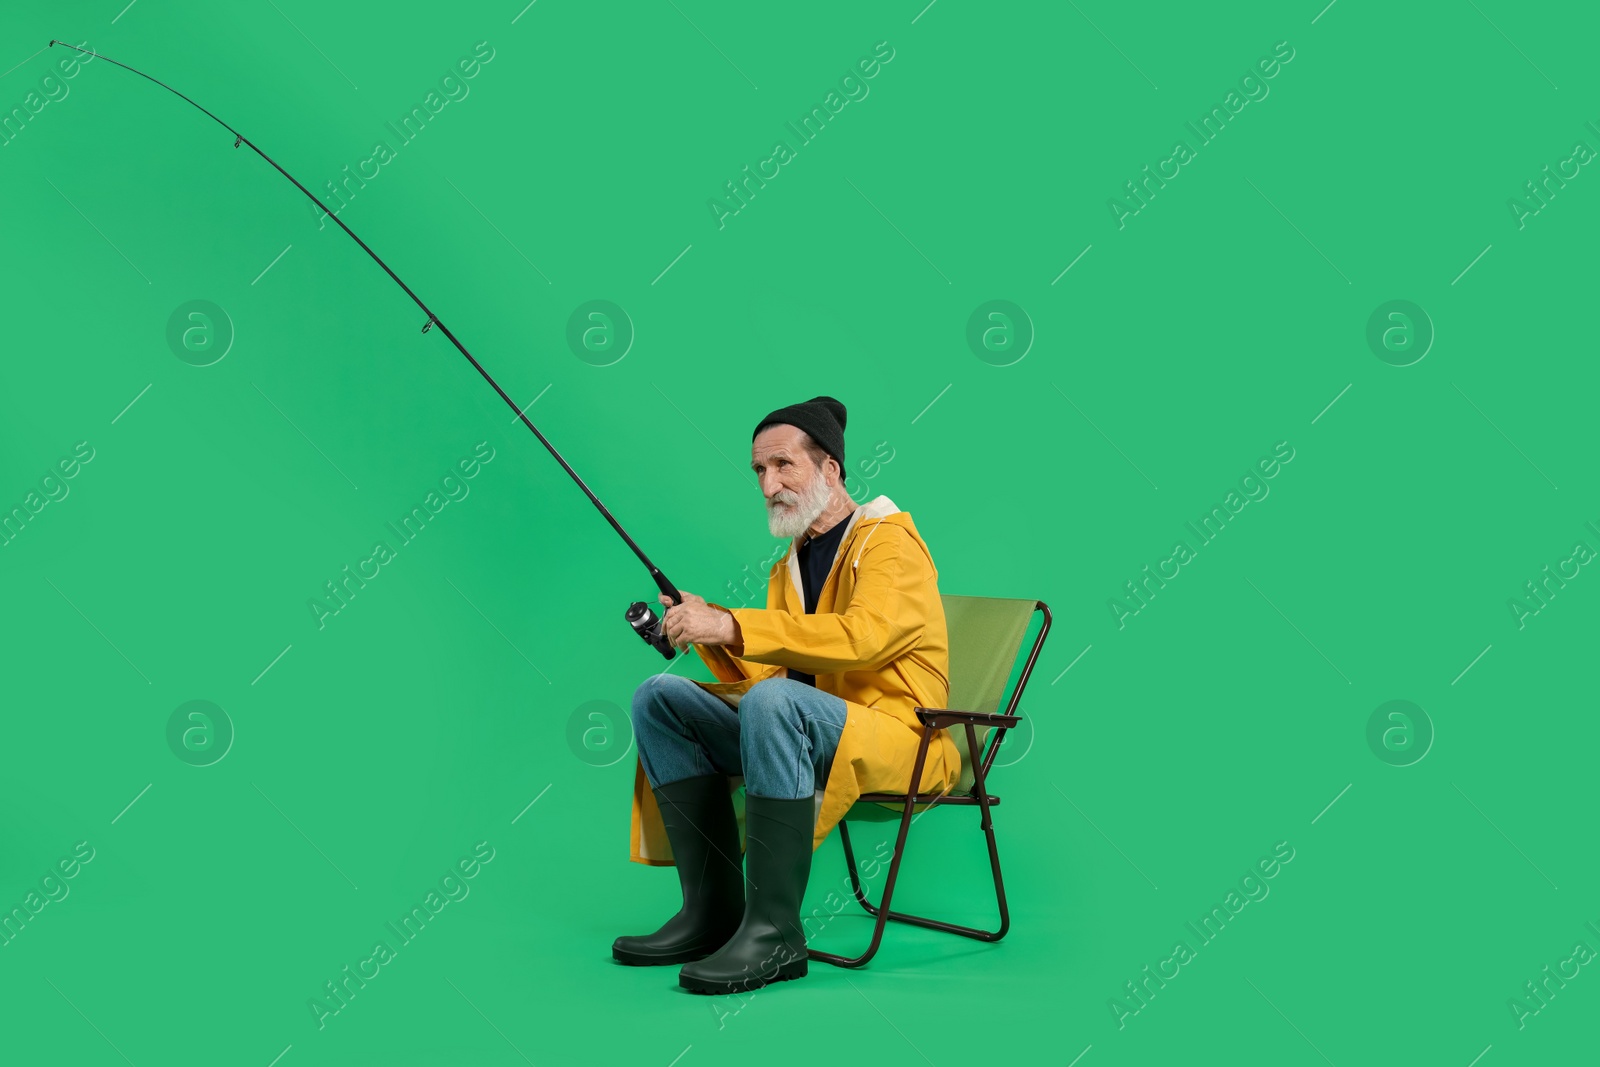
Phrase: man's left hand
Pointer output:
(694, 622)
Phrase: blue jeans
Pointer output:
(782, 738)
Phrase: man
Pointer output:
(813, 706)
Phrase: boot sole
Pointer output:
(786, 972)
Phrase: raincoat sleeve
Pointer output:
(885, 618)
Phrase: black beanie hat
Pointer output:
(822, 417)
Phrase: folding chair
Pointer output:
(985, 636)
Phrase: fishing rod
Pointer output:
(640, 616)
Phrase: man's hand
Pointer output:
(694, 622)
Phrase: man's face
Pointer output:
(796, 491)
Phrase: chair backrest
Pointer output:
(985, 638)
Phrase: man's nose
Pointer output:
(770, 484)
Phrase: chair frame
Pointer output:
(934, 720)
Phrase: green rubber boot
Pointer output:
(770, 944)
(698, 816)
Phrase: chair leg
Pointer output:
(935, 924)
(855, 879)
(981, 791)
(888, 891)
(894, 868)
(882, 913)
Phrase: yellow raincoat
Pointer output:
(877, 640)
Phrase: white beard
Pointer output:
(802, 511)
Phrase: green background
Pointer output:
(1230, 714)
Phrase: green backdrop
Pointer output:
(1064, 342)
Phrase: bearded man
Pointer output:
(813, 706)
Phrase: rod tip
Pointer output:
(52, 43)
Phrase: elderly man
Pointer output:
(813, 706)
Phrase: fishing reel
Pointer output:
(647, 625)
